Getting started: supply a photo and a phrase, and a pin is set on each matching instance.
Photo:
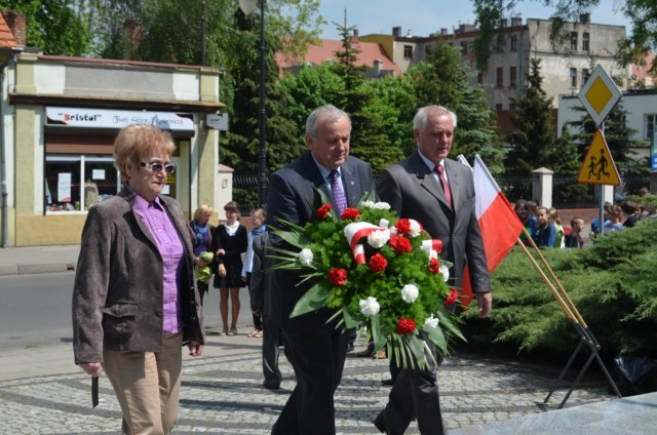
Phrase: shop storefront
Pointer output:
(61, 117)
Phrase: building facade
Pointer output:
(60, 117)
(565, 65)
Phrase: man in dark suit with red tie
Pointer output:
(439, 193)
(316, 349)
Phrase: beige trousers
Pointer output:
(147, 385)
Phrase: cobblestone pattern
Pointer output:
(223, 395)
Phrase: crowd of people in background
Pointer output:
(543, 226)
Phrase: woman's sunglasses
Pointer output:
(157, 167)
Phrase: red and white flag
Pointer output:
(500, 226)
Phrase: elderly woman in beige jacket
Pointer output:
(135, 302)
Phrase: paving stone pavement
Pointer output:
(222, 394)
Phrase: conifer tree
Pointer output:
(368, 138)
(533, 142)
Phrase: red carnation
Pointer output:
(378, 263)
(434, 266)
(337, 276)
(350, 214)
(323, 211)
(403, 226)
(453, 295)
(400, 244)
(405, 326)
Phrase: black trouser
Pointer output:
(271, 340)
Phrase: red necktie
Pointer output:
(445, 184)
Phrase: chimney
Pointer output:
(16, 23)
(396, 31)
(378, 63)
(505, 22)
(516, 21)
(585, 18)
(443, 31)
(354, 38)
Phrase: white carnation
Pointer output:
(415, 227)
(430, 323)
(306, 257)
(378, 239)
(444, 270)
(410, 292)
(433, 254)
(369, 307)
(375, 205)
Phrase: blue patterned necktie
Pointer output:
(336, 189)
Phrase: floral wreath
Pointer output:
(386, 276)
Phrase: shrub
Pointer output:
(612, 284)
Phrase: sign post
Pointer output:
(599, 95)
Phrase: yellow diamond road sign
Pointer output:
(598, 166)
(599, 95)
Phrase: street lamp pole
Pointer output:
(247, 7)
(262, 157)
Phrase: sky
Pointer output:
(423, 17)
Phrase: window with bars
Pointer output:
(573, 77)
(586, 45)
(573, 41)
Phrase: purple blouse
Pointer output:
(155, 217)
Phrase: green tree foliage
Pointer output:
(242, 143)
(311, 87)
(611, 284)
(643, 38)
(53, 26)
(533, 142)
(369, 140)
(443, 79)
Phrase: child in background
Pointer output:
(574, 239)
(560, 241)
(259, 216)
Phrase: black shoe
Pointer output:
(388, 382)
(350, 347)
(271, 386)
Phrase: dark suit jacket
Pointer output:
(293, 197)
(413, 192)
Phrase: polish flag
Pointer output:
(500, 226)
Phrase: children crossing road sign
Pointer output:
(598, 166)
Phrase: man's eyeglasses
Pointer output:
(157, 167)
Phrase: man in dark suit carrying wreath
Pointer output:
(316, 349)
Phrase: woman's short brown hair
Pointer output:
(232, 206)
(137, 142)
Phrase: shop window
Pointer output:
(74, 183)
